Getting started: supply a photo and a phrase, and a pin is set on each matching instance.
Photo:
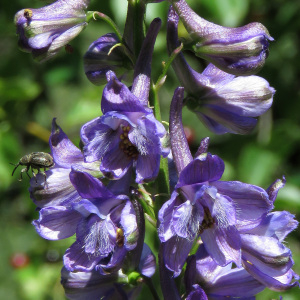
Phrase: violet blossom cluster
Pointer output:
(220, 239)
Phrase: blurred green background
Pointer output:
(31, 94)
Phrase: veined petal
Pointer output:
(88, 186)
(115, 163)
(205, 167)
(57, 190)
(212, 116)
(62, 149)
(117, 97)
(75, 259)
(147, 167)
(176, 251)
(56, 223)
(223, 244)
(98, 138)
(251, 202)
(267, 254)
(147, 263)
(165, 215)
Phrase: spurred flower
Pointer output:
(239, 51)
(44, 31)
(223, 102)
(127, 134)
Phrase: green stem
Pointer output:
(151, 287)
(162, 180)
(98, 15)
(161, 78)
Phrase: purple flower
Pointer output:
(264, 255)
(201, 205)
(44, 31)
(207, 280)
(93, 285)
(239, 51)
(107, 229)
(103, 55)
(55, 195)
(127, 134)
(223, 102)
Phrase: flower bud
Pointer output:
(238, 51)
(104, 55)
(44, 31)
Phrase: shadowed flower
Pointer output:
(107, 229)
(239, 51)
(105, 55)
(264, 255)
(223, 102)
(114, 286)
(204, 279)
(55, 195)
(44, 31)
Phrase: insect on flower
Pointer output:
(35, 160)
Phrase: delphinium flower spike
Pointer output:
(44, 31)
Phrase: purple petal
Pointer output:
(251, 201)
(98, 138)
(142, 70)
(56, 223)
(237, 283)
(165, 216)
(75, 259)
(147, 263)
(223, 244)
(278, 284)
(278, 223)
(88, 285)
(267, 254)
(187, 219)
(129, 225)
(147, 167)
(249, 96)
(115, 262)
(197, 293)
(176, 251)
(57, 191)
(117, 97)
(63, 150)
(88, 186)
(274, 188)
(221, 121)
(203, 168)
(115, 163)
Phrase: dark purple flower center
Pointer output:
(128, 148)
(208, 221)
